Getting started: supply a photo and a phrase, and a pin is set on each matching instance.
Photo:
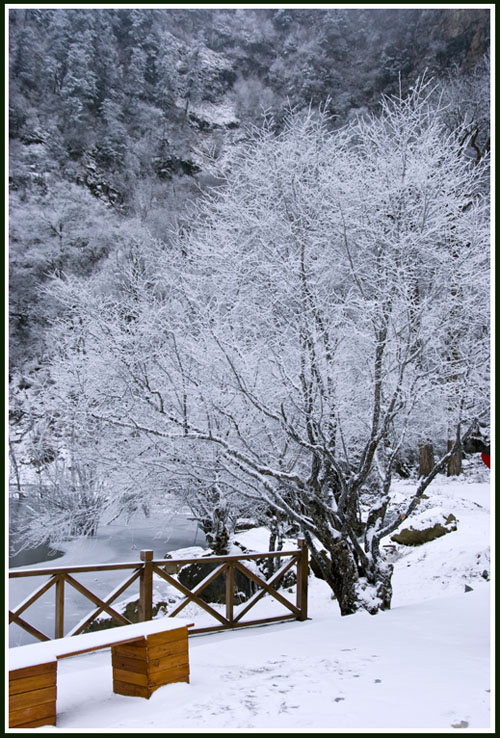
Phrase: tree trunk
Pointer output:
(454, 468)
(275, 543)
(216, 532)
(356, 590)
(425, 459)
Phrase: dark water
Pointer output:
(162, 532)
(33, 555)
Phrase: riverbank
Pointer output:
(120, 542)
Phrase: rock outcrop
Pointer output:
(425, 527)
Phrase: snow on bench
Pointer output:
(145, 656)
(40, 653)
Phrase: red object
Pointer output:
(486, 459)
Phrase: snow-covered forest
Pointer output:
(249, 271)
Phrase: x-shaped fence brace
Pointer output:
(144, 571)
(58, 580)
(267, 587)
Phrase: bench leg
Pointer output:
(141, 668)
(32, 696)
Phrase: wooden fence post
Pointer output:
(230, 592)
(146, 587)
(59, 625)
(302, 577)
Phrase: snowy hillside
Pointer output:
(424, 665)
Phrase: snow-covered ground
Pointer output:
(422, 666)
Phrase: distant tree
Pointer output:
(166, 68)
(112, 143)
(466, 102)
(107, 58)
(466, 111)
(135, 73)
(26, 60)
(61, 229)
(255, 99)
(79, 93)
(60, 35)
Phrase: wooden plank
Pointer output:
(27, 627)
(27, 671)
(43, 714)
(302, 579)
(96, 600)
(59, 606)
(51, 720)
(159, 639)
(225, 559)
(30, 699)
(122, 675)
(190, 596)
(173, 681)
(79, 569)
(33, 596)
(245, 624)
(171, 676)
(168, 662)
(130, 690)
(264, 584)
(122, 662)
(17, 573)
(39, 723)
(39, 681)
(168, 649)
(230, 592)
(111, 597)
(108, 644)
(267, 586)
(132, 650)
(146, 587)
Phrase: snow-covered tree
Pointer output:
(343, 296)
(57, 460)
(329, 305)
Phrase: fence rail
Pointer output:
(62, 576)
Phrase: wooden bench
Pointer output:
(144, 657)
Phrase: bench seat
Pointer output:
(144, 657)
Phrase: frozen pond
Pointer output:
(119, 542)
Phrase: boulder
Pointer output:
(130, 611)
(425, 527)
(192, 574)
(191, 552)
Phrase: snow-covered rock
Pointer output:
(425, 527)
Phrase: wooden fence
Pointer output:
(143, 571)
